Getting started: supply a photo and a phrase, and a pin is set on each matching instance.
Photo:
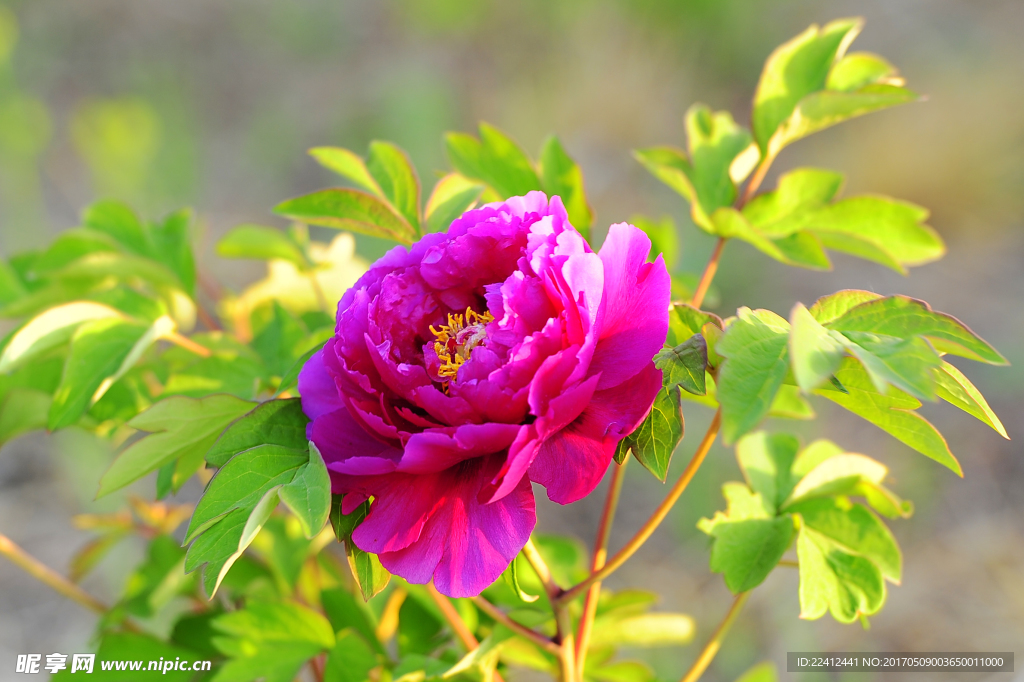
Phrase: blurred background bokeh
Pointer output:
(212, 104)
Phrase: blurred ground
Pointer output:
(212, 104)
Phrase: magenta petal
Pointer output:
(436, 449)
(341, 439)
(636, 298)
(432, 524)
(571, 463)
(319, 393)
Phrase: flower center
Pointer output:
(457, 339)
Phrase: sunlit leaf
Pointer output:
(366, 568)
(49, 330)
(308, 495)
(685, 365)
(952, 386)
(260, 242)
(397, 179)
(654, 441)
(453, 195)
(561, 176)
(349, 209)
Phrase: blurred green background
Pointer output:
(212, 104)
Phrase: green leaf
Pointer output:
(276, 422)
(178, 428)
(279, 338)
(511, 576)
(856, 70)
(351, 660)
(643, 630)
(561, 176)
(904, 317)
(290, 379)
(883, 230)
(71, 245)
(956, 389)
(685, 365)
(654, 441)
(766, 460)
(799, 249)
(158, 579)
(755, 347)
(366, 568)
(349, 209)
(243, 482)
(270, 640)
(262, 243)
(892, 412)
(117, 220)
(743, 504)
(619, 671)
(172, 246)
(746, 551)
(101, 352)
(23, 410)
(789, 404)
(796, 69)
(784, 210)
(815, 352)
(831, 579)
(907, 364)
(839, 473)
(133, 646)
(714, 141)
(345, 611)
(493, 159)
(854, 529)
(453, 195)
(347, 164)
(308, 495)
(49, 330)
(397, 179)
(829, 308)
(483, 658)
(687, 321)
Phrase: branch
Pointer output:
(48, 576)
(604, 531)
(188, 344)
(459, 626)
(652, 523)
(709, 274)
(521, 630)
(541, 568)
(715, 643)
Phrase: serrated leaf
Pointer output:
(179, 427)
(397, 179)
(952, 386)
(561, 176)
(892, 412)
(349, 209)
(755, 347)
(746, 551)
(453, 195)
(685, 365)
(263, 243)
(654, 441)
(49, 330)
(366, 568)
(834, 580)
(308, 495)
(905, 317)
(277, 422)
(815, 352)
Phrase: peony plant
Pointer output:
(368, 436)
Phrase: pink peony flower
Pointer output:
(501, 353)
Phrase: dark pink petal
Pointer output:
(432, 525)
(438, 449)
(340, 438)
(571, 463)
(636, 298)
(319, 393)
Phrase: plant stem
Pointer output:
(709, 273)
(188, 344)
(655, 519)
(518, 628)
(715, 643)
(541, 568)
(755, 181)
(455, 621)
(48, 576)
(604, 531)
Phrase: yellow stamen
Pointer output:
(456, 340)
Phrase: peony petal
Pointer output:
(439, 449)
(432, 525)
(319, 393)
(572, 462)
(340, 438)
(634, 320)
